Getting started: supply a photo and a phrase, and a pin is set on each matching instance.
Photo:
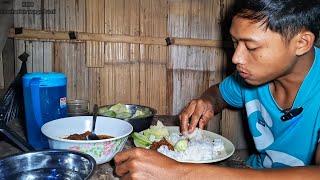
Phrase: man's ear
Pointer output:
(304, 42)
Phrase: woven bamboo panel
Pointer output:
(72, 63)
(121, 71)
(153, 66)
(41, 53)
(163, 77)
(95, 19)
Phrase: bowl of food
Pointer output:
(140, 117)
(70, 134)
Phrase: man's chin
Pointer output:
(253, 82)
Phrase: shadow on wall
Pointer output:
(318, 42)
(6, 21)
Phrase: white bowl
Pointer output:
(101, 150)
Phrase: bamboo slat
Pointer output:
(94, 85)
(71, 18)
(82, 73)
(57, 23)
(80, 6)
(61, 23)
(48, 56)
(37, 57)
(49, 19)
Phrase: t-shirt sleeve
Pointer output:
(231, 90)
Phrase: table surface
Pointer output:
(106, 170)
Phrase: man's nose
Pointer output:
(238, 56)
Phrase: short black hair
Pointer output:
(286, 17)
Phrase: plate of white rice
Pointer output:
(202, 147)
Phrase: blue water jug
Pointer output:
(44, 100)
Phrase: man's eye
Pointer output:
(251, 49)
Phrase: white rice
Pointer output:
(200, 147)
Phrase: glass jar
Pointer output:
(78, 107)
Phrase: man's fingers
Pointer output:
(185, 115)
(196, 117)
(126, 161)
(123, 168)
(205, 119)
(122, 156)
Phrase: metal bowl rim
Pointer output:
(87, 156)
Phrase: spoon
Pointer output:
(92, 135)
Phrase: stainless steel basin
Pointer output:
(48, 164)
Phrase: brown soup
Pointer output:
(83, 136)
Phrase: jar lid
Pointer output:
(46, 79)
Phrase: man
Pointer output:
(278, 83)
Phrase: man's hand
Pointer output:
(138, 163)
(200, 111)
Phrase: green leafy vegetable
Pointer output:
(159, 131)
(140, 140)
(143, 112)
(121, 111)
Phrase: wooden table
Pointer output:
(106, 170)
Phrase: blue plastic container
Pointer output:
(44, 100)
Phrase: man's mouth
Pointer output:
(244, 74)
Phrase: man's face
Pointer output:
(260, 54)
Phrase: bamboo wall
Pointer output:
(163, 77)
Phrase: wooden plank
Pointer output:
(30, 34)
